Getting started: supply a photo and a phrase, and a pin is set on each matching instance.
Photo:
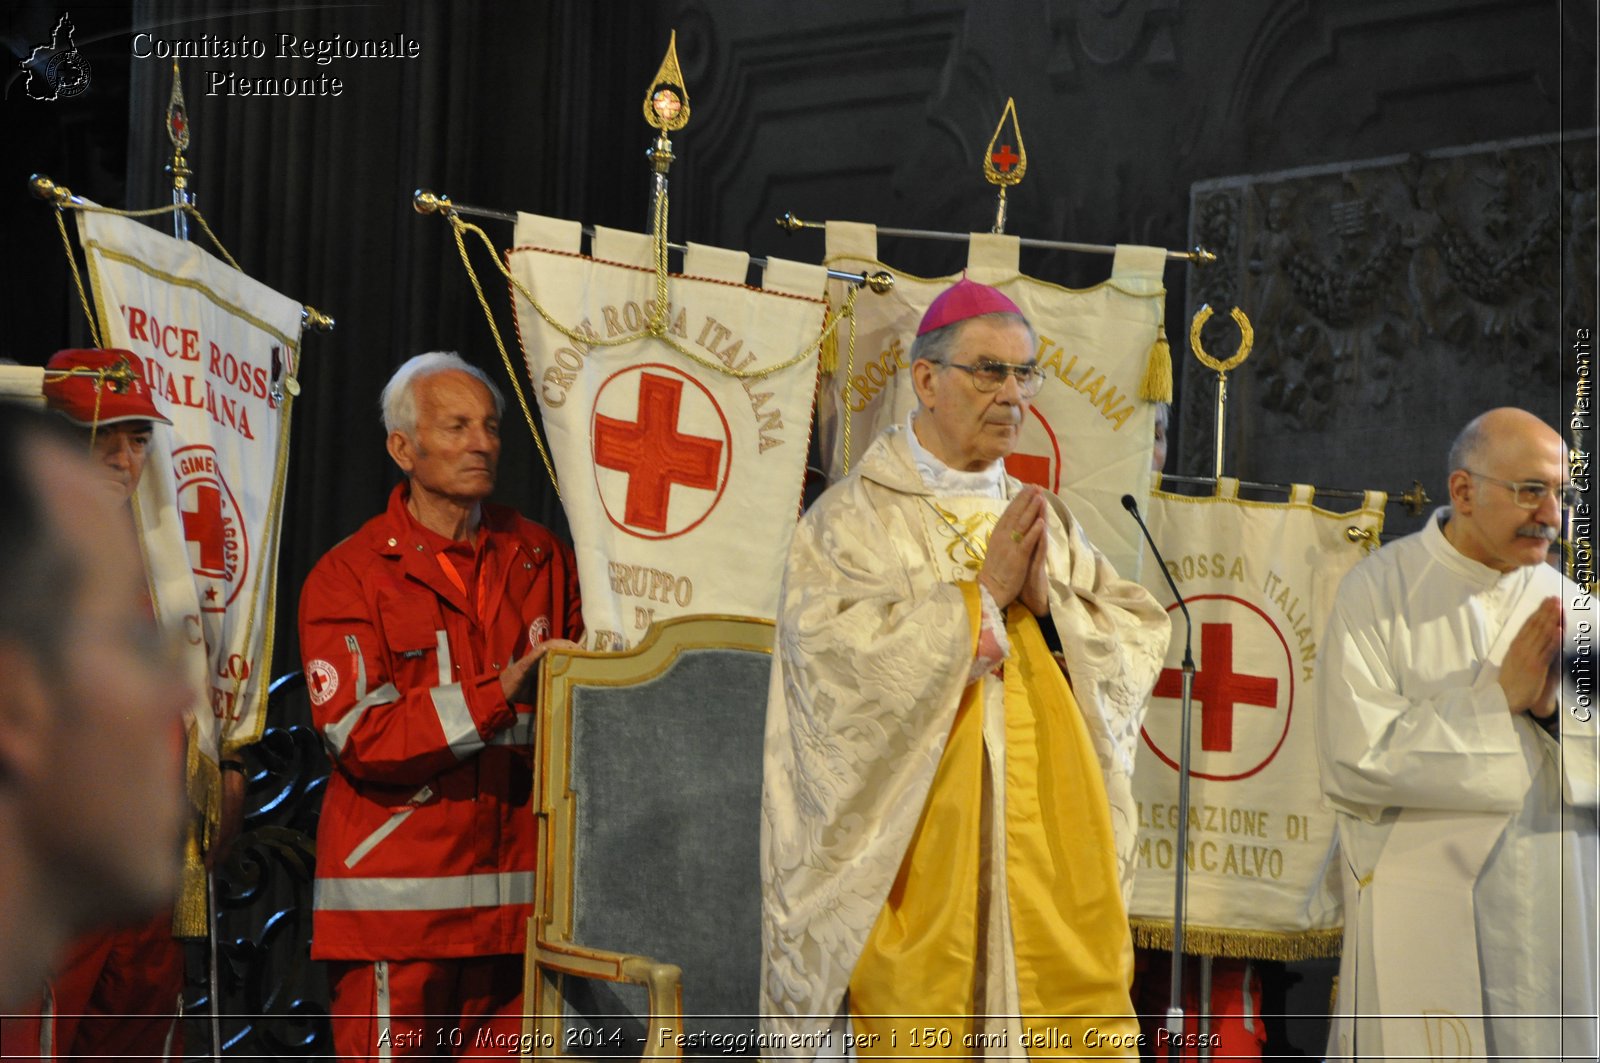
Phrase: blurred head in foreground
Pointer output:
(91, 803)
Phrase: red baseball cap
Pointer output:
(98, 392)
(962, 300)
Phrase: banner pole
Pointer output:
(178, 130)
(1197, 255)
(1181, 868)
(426, 201)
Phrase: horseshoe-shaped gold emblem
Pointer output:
(1247, 339)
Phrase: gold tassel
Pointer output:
(1240, 944)
(189, 914)
(1157, 383)
(828, 353)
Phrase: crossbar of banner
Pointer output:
(61, 197)
(1197, 254)
(1414, 500)
(427, 202)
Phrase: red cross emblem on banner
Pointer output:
(1218, 688)
(203, 527)
(213, 527)
(1005, 158)
(1243, 690)
(1037, 459)
(655, 450)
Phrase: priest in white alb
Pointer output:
(1465, 789)
(958, 682)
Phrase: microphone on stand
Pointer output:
(1129, 504)
(1174, 1026)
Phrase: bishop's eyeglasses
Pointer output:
(990, 375)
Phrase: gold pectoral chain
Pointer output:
(976, 553)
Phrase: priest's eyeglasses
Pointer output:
(989, 375)
(1530, 494)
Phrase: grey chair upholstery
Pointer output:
(649, 903)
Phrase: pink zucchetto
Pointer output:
(962, 300)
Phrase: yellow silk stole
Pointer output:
(916, 986)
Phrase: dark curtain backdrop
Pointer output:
(515, 106)
(80, 141)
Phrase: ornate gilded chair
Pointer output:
(648, 906)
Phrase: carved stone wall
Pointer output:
(1392, 301)
(843, 110)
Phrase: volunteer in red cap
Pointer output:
(118, 993)
(948, 822)
(105, 392)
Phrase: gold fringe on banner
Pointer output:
(1240, 944)
(189, 915)
(1156, 386)
(204, 785)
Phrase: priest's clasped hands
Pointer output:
(1529, 675)
(1014, 568)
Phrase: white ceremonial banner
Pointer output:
(218, 347)
(1088, 435)
(22, 383)
(681, 482)
(1259, 579)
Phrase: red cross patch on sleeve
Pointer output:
(322, 679)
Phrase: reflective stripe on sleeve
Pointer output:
(455, 720)
(446, 671)
(518, 734)
(336, 735)
(489, 890)
(360, 663)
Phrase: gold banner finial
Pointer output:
(1416, 500)
(47, 190)
(1004, 166)
(666, 102)
(177, 114)
(178, 133)
(1247, 339)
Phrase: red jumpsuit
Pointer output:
(427, 841)
(117, 995)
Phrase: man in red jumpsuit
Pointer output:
(420, 634)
